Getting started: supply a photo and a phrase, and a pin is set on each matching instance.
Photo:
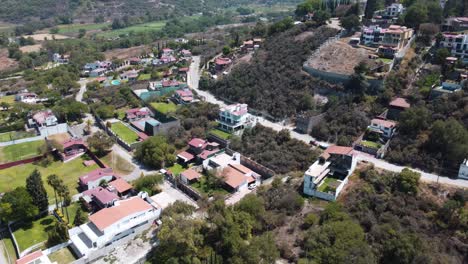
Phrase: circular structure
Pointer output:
(115, 82)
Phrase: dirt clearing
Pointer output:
(126, 53)
(5, 62)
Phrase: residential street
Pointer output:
(194, 77)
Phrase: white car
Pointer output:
(252, 186)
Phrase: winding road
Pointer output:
(194, 77)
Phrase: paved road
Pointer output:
(194, 77)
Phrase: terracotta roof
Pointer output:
(30, 257)
(339, 150)
(197, 142)
(71, 142)
(241, 168)
(186, 155)
(400, 102)
(233, 177)
(205, 153)
(223, 61)
(384, 123)
(96, 174)
(120, 185)
(191, 174)
(104, 196)
(109, 216)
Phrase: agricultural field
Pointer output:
(157, 25)
(124, 132)
(75, 28)
(20, 151)
(69, 172)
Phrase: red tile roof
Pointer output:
(120, 185)
(339, 150)
(233, 177)
(191, 174)
(72, 142)
(400, 102)
(186, 155)
(384, 123)
(109, 216)
(223, 61)
(96, 174)
(103, 195)
(197, 142)
(241, 168)
(30, 258)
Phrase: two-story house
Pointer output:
(94, 178)
(463, 171)
(457, 44)
(386, 127)
(109, 225)
(388, 40)
(45, 118)
(234, 118)
(198, 151)
(326, 178)
(135, 114)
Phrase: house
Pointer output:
(328, 175)
(134, 61)
(455, 24)
(189, 176)
(184, 96)
(457, 44)
(234, 118)
(121, 187)
(99, 197)
(73, 148)
(126, 217)
(137, 114)
(198, 150)
(394, 10)
(186, 54)
(95, 177)
(389, 40)
(61, 59)
(248, 46)
(27, 98)
(151, 127)
(463, 171)
(222, 63)
(97, 72)
(45, 118)
(236, 176)
(386, 127)
(167, 52)
(36, 257)
(166, 59)
(397, 106)
(130, 76)
(446, 87)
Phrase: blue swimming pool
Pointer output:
(115, 82)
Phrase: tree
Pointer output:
(36, 189)
(100, 143)
(156, 152)
(408, 181)
(371, 7)
(58, 234)
(53, 181)
(441, 55)
(321, 17)
(17, 205)
(79, 217)
(148, 183)
(450, 138)
(350, 22)
(226, 50)
(414, 120)
(416, 15)
(81, 33)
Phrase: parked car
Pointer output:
(252, 186)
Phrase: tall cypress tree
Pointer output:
(36, 189)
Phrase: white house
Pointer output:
(27, 98)
(457, 44)
(463, 172)
(394, 10)
(386, 127)
(108, 225)
(326, 178)
(234, 118)
(44, 118)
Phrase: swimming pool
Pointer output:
(115, 82)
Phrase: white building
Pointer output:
(394, 10)
(463, 172)
(109, 225)
(43, 118)
(386, 127)
(457, 44)
(326, 178)
(234, 118)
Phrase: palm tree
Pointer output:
(65, 194)
(52, 180)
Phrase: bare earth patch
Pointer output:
(31, 48)
(44, 36)
(126, 53)
(5, 62)
(304, 35)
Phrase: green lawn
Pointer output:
(157, 25)
(325, 187)
(144, 77)
(72, 212)
(385, 60)
(7, 99)
(69, 172)
(12, 135)
(20, 151)
(371, 144)
(75, 28)
(63, 256)
(202, 187)
(121, 113)
(176, 169)
(165, 108)
(124, 132)
(9, 249)
(221, 134)
(33, 233)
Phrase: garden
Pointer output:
(15, 135)
(165, 108)
(207, 186)
(124, 132)
(221, 134)
(20, 151)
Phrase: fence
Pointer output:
(56, 248)
(19, 141)
(20, 162)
